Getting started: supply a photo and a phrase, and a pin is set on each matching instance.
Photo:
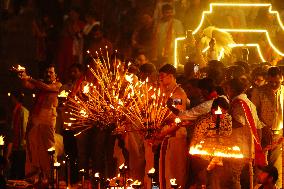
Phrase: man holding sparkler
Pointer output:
(41, 127)
(173, 153)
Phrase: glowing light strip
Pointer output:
(221, 54)
(256, 31)
(175, 50)
(250, 45)
(238, 5)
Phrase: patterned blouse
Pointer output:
(204, 127)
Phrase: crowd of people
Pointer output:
(250, 97)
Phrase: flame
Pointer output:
(2, 140)
(173, 182)
(136, 183)
(152, 170)
(177, 120)
(218, 111)
(129, 78)
(51, 149)
(20, 68)
(122, 166)
(226, 152)
(83, 113)
(86, 89)
(9, 94)
(63, 94)
(56, 164)
(97, 175)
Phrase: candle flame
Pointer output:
(63, 94)
(129, 78)
(173, 182)
(83, 113)
(51, 149)
(56, 164)
(218, 111)
(97, 175)
(2, 140)
(177, 120)
(121, 166)
(136, 183)
(152, 170)
(86, 89)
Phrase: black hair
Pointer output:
(147, 68)
(206, 84)
(19, 95)
(167, 7)
(169, 69)
(95, 29)
(48, 65)
(258, 71)
(274, 71)
(220, 102)
(238, 85)
(245, 65)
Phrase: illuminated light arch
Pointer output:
(212, 5)
(238, 5)
(256, 31)
(251, 45)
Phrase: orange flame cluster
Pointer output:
(113, 95)
(216, 151)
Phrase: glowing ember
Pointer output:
(63, 94)
(2, 140)
(218, 111)
(173, 182)
(216, 151)
(152, 170)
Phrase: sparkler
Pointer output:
(116, 96)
